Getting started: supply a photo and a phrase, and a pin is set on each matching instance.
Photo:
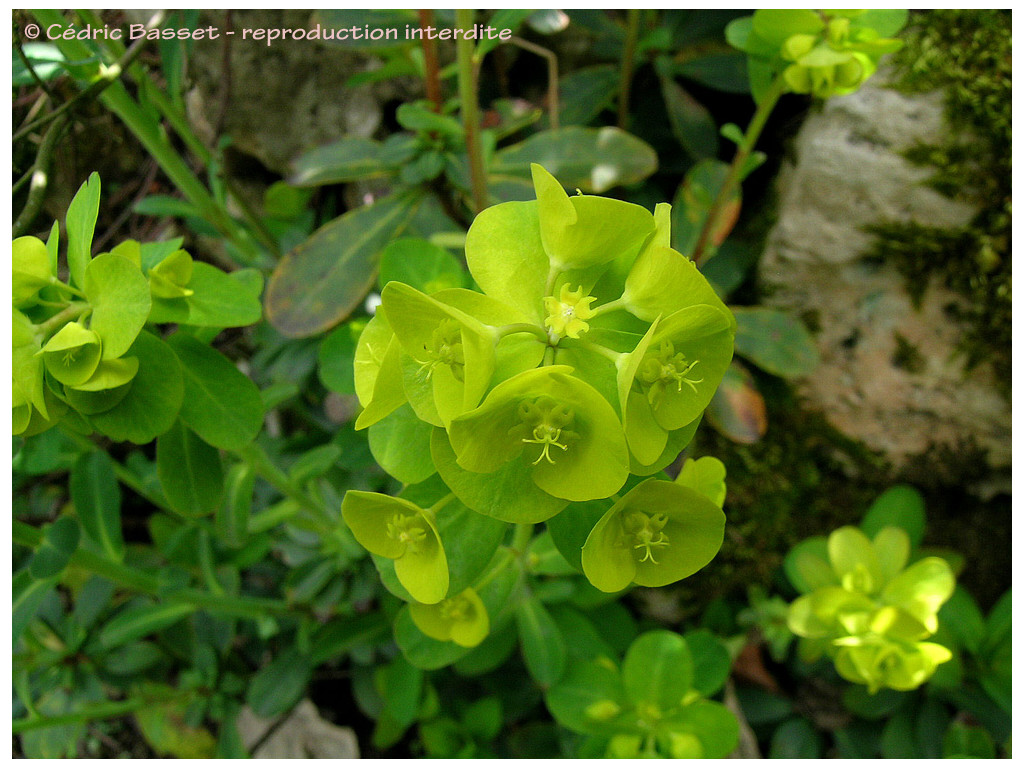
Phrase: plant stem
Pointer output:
(628, 54)
(140, 581)
(73, 311)
(102, 711)
(553, 107)
(470, 109)
(256, 457)
(431, 68)
(610, 306)
(702, 250)
(40, 177)
(521, 537)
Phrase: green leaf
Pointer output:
(693, 202)
(584, 93)
(721, 71)
(27, 596)
(80, 223)
(714, 726)
(221, 404)
(277, 687)
(141, 619)
(60, 540)
(378, 28)
(807, 565)
(572, 701)
(218, 300)
(795, 739)
(190, 471)
(319, 283)
(349, 159)
(967, 741)
(738, 409)
(658, 670)
(97, 499)
(506, 256)
(775, 341)
(544, 649)
(421, 264)
(401, 687)
(711, 661)
(151, 405)
(46, 60)
(120, 299)
(902, 506)
(592, 159)
(164, 726)
(691, 122)
(705, 475)
(400, 443)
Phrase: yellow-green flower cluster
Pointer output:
(819, 52)
(869, 610)
(589, 354)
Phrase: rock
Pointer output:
(891, 375)
(286, 98)
(302, 735)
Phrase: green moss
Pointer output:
(967, 54)
(803, 478)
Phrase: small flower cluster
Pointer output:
(76, 357)
(589, 354)
(819, 52)
(870, 611)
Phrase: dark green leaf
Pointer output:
(738, 410)
(584, 93)
(592, 159)
(319, 283)
(543, 646)
(376, 28)
(721, 71)
(691, 122)
(97, 499)
(219, 300)
(60, 540)
(278, 686)
(421, 264)
(967, 741)
(221, 404)
(139, 620)
(151, 405)
(400, 443)
(711, 662)
(190, 472)
(27, 595)
(349, 159)
(232, 521)
(795, 739)
(775, 341)
(902, 506)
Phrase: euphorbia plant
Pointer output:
(578, 372)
